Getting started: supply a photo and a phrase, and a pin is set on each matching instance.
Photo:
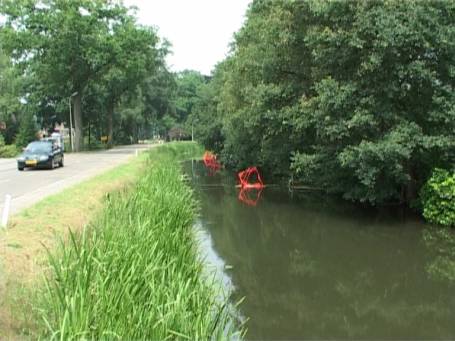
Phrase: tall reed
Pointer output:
(134, 274)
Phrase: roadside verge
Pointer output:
(22, 245)
(129, 268)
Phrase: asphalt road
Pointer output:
(30, 186)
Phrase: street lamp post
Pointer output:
(71, 121)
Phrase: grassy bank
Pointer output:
(133, 273)
(22, 255)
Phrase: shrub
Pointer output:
(438, 198)
(7, 150)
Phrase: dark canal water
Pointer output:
(310, 267)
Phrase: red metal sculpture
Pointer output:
(211, 162)
(251, 186)
(248, 175)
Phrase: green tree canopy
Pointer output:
(67, 44)
(350, 96)
(10, 105)
(186, 97)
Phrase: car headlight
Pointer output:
(43, 158)
(21, 158)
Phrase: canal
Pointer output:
(312, 267)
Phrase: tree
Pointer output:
(205, 119)
(27, 130)
(186, 95)
(158, 91)
(138, 57)
(65, 44)
(353, 97)
(266, 75)
(9, 96)
(381, 114)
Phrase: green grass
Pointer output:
(134, 273)
(22, 256)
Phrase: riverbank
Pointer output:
(133, 272)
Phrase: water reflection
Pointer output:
(250, 196)
(440, 242)
(318, 269)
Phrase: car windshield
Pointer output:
(39, 147)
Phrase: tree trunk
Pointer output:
(110, 124)
(78, 127)
(89, 134)
(409, 191)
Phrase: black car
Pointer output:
(40, 154)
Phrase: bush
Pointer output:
(7, 151)
(438, 198)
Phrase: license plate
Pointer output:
(31, 162)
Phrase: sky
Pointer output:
(199, 30)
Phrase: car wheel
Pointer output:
(20, 168)
(61, 162)
(52, 164)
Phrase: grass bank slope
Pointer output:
(134, 273)
(22, 255)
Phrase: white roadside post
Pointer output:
(6, 210)
(137, 152)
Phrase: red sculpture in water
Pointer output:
(251, 186)
(248, 175)
(211, 162)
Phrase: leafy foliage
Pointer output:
(10, 86)
(438, 198)
(187, 92)
(354, 97)
(7, 150)
(206, 119)
(74, 49)
(27, 130)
